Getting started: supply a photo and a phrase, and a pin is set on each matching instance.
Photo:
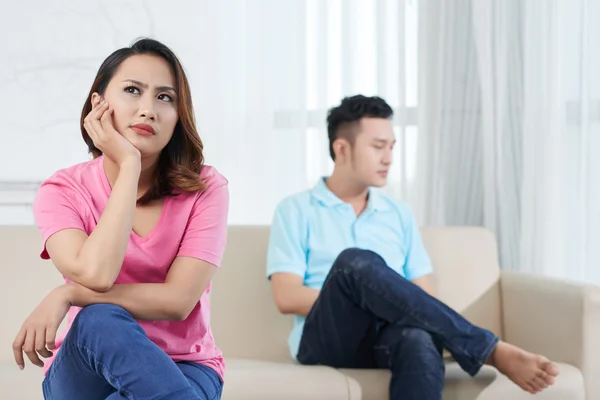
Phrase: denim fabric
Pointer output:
(369, 316)
(107, 355)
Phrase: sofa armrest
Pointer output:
(556, 318)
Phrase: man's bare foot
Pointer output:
(531, 372)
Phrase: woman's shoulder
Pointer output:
(77, 175)
(212, 178)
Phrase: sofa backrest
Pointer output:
(244, 319)
(246, 323)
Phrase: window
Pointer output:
(367, 47)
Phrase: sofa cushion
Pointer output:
(487, 385)
(251, 380)
(569, 385)
(374, 383)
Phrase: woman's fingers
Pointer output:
(40, 343)
(106, 120)
(99, 110)
(95, 119)
(90, 130)
(29, 348)
(51, 337)
(93, 115)
(18, 348)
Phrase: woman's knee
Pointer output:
(99, 317)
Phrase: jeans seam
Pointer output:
(57, 361)
(216, 394)
(128, 393)
(212, 375)
(66, 351)
(385, 297)
(216, 380)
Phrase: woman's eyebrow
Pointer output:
(145, 86)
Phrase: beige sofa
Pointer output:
(559, 319)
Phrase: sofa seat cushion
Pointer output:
(487, 385)
(251, 380)
(374, 383)
(569, 385)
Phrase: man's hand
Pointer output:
(426, 283)
(38, 333)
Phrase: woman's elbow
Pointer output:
(182, 310)
(95, 282)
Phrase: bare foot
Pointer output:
(531, 372)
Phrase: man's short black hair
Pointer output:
(342, 120)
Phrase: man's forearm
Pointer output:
(302, 300)
(145, 301)
(426, 283)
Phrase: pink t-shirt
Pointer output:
(191, 225)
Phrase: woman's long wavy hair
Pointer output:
(180, 162)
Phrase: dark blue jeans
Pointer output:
(369, 316)
(107, 355)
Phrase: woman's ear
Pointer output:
(96, 99)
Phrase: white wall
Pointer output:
(262, 73)
(49, 54)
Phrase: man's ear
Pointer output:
(341, 148)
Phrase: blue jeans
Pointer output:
(369, 316)
(107, 355)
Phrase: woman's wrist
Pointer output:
(69, 291)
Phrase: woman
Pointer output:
(138, 233)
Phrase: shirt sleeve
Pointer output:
(287, 244)
(55, 209)
(417, 262)
(205, 236)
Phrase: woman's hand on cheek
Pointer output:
(99, 125)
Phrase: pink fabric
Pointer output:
(191, 225)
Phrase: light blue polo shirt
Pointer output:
(310, 229)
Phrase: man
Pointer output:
(349, 263)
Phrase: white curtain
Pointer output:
(511, 93)
(272, 70)
(561, 141)
(263, 74)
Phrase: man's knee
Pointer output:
(417, 345)
(355, 258)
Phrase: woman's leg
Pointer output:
(105, 351)
(204, 380)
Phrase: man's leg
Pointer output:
(415, 359)
(337, 332)
(364, 279)
(106, 351)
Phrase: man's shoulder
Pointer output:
(399, 207)
(297, 203)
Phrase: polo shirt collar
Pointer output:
(324, 195)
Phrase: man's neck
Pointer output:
(348, 191)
